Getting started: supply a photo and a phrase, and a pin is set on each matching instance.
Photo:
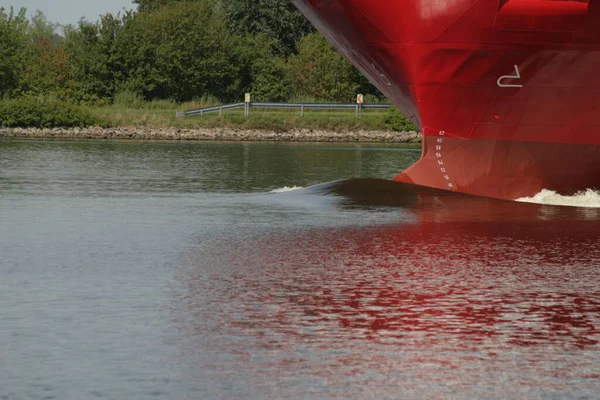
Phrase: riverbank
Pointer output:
(160, 116)
(216, 134)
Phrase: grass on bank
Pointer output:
(132, 111)
(274, 120)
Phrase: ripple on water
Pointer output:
(464, 309)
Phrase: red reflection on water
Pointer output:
(468, 281)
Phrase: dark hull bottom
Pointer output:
(505, 169)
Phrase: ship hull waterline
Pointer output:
(505, 92)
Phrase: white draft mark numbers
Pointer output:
(439, 147)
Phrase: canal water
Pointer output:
(283, 271)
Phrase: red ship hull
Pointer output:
(506, 92)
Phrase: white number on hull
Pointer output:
(439, 156)
(509, 85)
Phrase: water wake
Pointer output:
(589, 198)
(286, 189)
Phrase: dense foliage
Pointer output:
(178, 50)
(44, 113)
(278, 20)
(396, 121)
(14, 45)
(185, 53)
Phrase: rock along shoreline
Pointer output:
(215, 134)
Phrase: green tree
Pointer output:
(321, 73)
(278, 20)
(268, 83)
(91, 46)
(154, 4)
(39, 28)
(258, 69)
(45, 71)
(13, 49)
(179, 51)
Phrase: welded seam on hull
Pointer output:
(480, 118)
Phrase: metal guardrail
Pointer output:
(300, 106)
(200, 111)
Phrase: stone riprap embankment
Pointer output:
(224, 134)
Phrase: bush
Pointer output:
(129, 99)
(396, 121)
(35, 113)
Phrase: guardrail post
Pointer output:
(302, 110)
(247, 104)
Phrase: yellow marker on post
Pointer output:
(247, 101)
(360, 99)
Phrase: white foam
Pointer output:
(588, 198)
(286, 189)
